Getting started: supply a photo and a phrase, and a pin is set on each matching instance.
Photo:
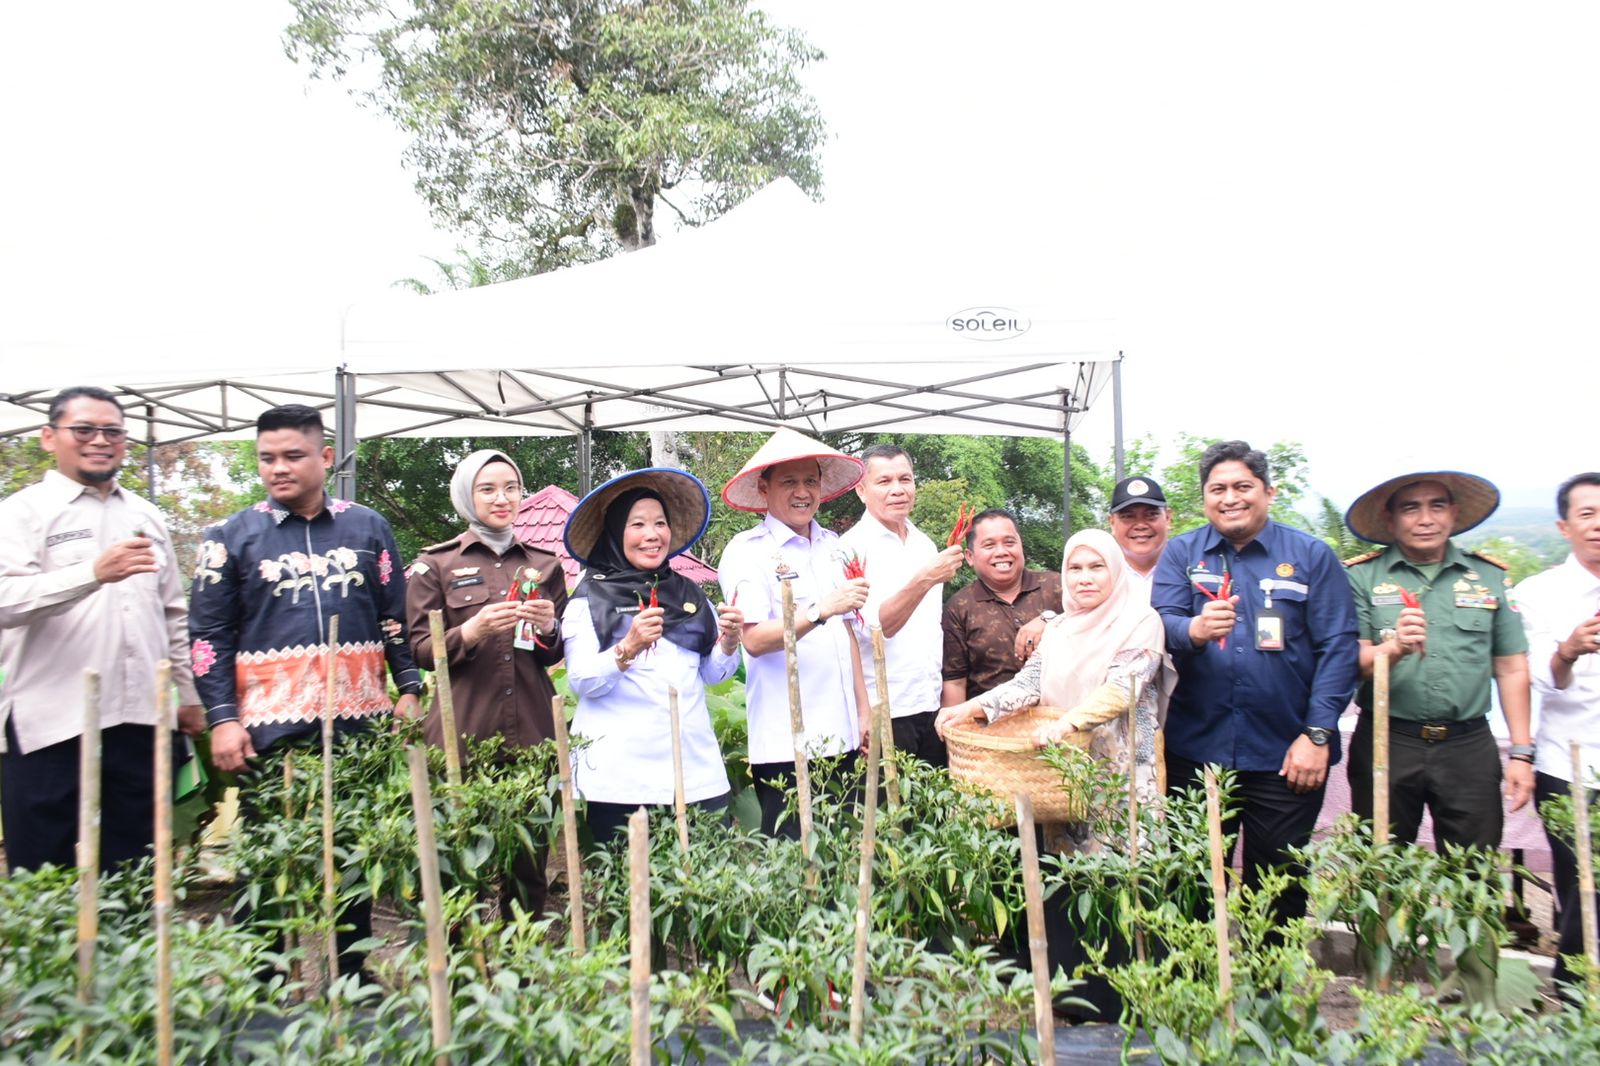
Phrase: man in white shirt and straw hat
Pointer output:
(787, 480)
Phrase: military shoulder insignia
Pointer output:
(1286, 570)
(445, 545)
(1491, 560)
(1359, 559)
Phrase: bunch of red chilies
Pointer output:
(964, 516)
(1227, 588)
(854, 567)
(525, 589)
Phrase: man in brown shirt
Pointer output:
(981, 622)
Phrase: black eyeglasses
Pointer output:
(85, 434)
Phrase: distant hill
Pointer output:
(1533, 528)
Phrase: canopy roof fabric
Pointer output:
(771, 315)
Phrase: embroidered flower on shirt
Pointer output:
(212, 555)
(204, 657)
(264, 507)
(386, 566)
(295, 572)
(338, 506)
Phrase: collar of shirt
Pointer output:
(1454, 559)
(1030, 582)
(330, 509)
(871, 527)
(63, 490)
(783, 534)
(1213, 540)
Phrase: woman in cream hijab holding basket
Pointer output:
(1107, 637)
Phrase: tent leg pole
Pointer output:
(344, 435)
(1066, 467)
(586, 452)
(150, 451)
(1116, 417)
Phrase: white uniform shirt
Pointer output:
(56, 620)
(750, 565)
(913, 657)
(624, 717)
(1552, 605)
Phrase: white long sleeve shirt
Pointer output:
(1552, 605)
(623, 725)
(56, 619)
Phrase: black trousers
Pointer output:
(1272, 817)
(1564, 866)
(1457, 779)
(606, 820)
(914, 734)
(774, 780)
(355, 919)
(39, 799)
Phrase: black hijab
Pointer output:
(614, 587)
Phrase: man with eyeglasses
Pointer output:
(88, 578)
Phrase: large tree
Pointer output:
(548, 131)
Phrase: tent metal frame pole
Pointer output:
(344, 434)
(586, 452)
(1119, 463)
(1066, 465)
(150, 451)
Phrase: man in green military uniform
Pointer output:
(1442, 652)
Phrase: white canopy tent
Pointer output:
(775, 314)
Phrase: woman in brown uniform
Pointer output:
(498, 672)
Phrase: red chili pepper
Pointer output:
(854, 567)
(1409, 598)
(513, 593)
(964, 516)
(653, 602)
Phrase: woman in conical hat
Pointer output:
(788, 479)
(635, 628)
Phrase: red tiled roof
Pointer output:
(543, 515)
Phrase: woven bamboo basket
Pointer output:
(1001, 758)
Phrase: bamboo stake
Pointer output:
(1380, 797)
(1133, 808)
(679, 808)
(869, 840)
(1033, 892)
(163, 841)
(883, 718)
(330, 880)
(432, 902)
(639, 936)
(797, 729)
(1584, 846)
(447, 705)
(291, 940)
(1219, 895)
(88, 835)
(569, 826)
(1380, 749)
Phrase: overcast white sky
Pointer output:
(1369, 227)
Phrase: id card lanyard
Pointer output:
(1269, 621)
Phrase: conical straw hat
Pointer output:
(688, 504)
(1476, 499)
(840, 472)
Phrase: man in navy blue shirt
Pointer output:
(1261, 625)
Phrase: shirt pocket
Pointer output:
(1474, 619)
(1291, 603)
(467, 600)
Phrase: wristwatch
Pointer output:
(1524, 752)
(814, 614)
(1318, 735)
(1047, 615)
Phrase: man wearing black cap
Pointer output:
(1442, 654)
(1140, 524)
